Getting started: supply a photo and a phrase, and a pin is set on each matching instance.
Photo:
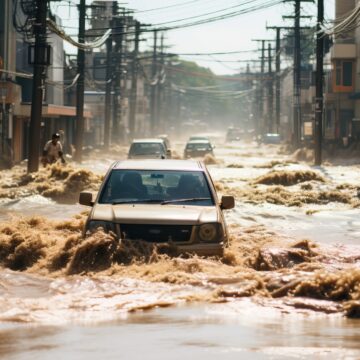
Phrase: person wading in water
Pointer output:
(53, 151)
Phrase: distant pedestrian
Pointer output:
(53, 151)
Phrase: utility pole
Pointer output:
(153, 85)
(277, 82)
(261, 120)
(261, 104)
(134, 78)
(159, 93)
(278, 76)
(297, 72)
(270, 92)
(37, 90)
(118, 68)
(319, 83)
(278, 70)
(297, 75)
(125, 78)
(108, 87)
(80, 85)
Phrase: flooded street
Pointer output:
(201, 332)
(287, 288)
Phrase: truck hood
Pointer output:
(155, 214)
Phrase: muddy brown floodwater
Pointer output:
(287, 287)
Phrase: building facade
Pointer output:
(58, 114)
(342, 94)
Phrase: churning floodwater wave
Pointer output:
(289, 261)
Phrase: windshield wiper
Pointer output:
(136, 201)
(185, 200)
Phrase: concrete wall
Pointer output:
(7, 35)
(55, 72)
(343, 8)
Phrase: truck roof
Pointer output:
(163, 164)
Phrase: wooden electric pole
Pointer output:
(263, 127)
(134, 78)
(278, 70)
(159, 94)
(79, 135)
(277, 77)
(297, 76)
(262, 97)
(40, 62)
(297, 72)
(270, 92)
(118, 69)
(153, 87)
(108, 87)
(278, 82)
(319, 83)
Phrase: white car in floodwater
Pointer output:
(161, 201)
(149, 149)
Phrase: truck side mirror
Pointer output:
(86, 198)
(227, 202)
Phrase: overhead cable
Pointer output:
(265, 5)
(346, 25)
(85, 46)
(166, 7)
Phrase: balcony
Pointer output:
(10, 93)
(343, 51)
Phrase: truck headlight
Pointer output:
(210, 232)
(93, 225)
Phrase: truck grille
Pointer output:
(156, 233)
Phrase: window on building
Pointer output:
(343, 76)
(329, 119)
(347, 73)
(338, 73)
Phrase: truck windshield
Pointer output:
(146, 148)
(157, 186)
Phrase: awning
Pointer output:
(49, 110)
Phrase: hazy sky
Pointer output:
(233, 34)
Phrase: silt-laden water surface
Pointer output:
(273, 296)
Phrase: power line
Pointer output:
(263, 6)
(217, 53)
(266, 5)
(166, 7)
(85, 46)
(205, 14)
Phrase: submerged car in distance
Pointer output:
(233, 134)
(149, 149)
(166, 140)
(201, 138)
(271, 138)
(170, 201)
(198, 137)
(197, 148)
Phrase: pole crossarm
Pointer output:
(288, 28)
(293, 17)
